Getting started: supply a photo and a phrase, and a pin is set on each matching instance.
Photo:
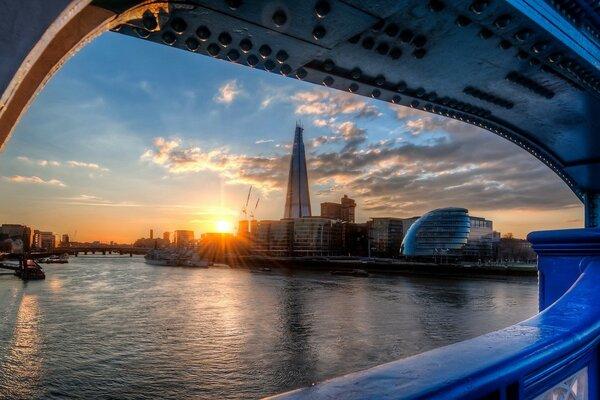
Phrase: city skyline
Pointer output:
(160, 139)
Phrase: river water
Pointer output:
(114, 327)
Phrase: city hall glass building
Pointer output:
(442, 231)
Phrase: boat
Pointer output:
(175, 258)
(55, 259)
(354, 272)
(30, 270)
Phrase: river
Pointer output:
(114, 327)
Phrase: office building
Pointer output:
(167, 237)
(385, 236)
(183, 237)
(43, 240)
(331, 210)
(64, 242)
(18, 237)
(355, 239)
(317, 237)
(297, 199)
(343, 211)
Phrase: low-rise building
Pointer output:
(385, 236)
(183, 238)
(43, 240)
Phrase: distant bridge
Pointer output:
(104, 250)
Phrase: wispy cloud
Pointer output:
(228, 92)
(81, 164)
(261, 141)
(329, 104)
(35, 180)
(42, 163)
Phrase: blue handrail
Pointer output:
(521, 361)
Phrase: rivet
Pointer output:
(436, 5)
(379, 80)
(328, 81)
(420, 92)
(192, 44)
(203, 33)
(406, 36)
(375, 93)
(279, 18)
(353, 88)
(502, 21)
(213, 49)
(462, 21)
(270, 65)
(479, 6)
(281, 56)
(285, 70)
(225, 39)
(555, 57)
(534, 61)
(382, 48)
(319, 32)
(539, 47)
(252, 60)
(322, 8)
(432, 96)
(505, 44)
(301, 73)
(392, 30)
(149, 21)
(328, 65)
(414, 103)
(401, 87)
(356, 73)
(368, 43)
(233, 55)
(485, 33)
(522, 35)
(395, 53)
(428, 107)
(178, 25)
(142, 32)
(169, 37)
(234, 4)
(419, 41)
(378, 26)
(265, 51)
(396, 99)
(245, 45)
(522, 55)
(419, 53)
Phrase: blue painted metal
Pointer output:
(521, 361)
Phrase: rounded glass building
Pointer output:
(442, 231)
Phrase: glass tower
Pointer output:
(297, 199)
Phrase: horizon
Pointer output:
(122, 140)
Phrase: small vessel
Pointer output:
(354, 272)
(175, 258)
(55, 259)
(30, 270)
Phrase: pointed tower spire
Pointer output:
(297, 199)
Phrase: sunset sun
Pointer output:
(224, 226)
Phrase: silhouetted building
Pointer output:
(331, 210)
(511, 249)
(167, 237)
(385, 236)
(183, 237)
(15, 238)
(151, 233)
(64, 242)
(355, 239)
(297, 199)
(274, 238)
(43, 240)
(243, 228)
(348, 209)
(316, 236)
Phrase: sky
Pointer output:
(130, 136)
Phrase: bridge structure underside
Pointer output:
(526, 70)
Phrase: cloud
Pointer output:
(34, 179)
(81, 164)
(328, 104)
(261, 141)
(42, 163)
(228, 92)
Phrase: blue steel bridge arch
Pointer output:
(526, 70)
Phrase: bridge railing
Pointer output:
(554, 355)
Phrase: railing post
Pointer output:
(562, 256)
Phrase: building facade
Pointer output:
(355, 239)
(317, 237)
(385, 236)
(17, 238)
(331, 210)
(343, 211)
(297, 199)
(43, 240)
(183, 238)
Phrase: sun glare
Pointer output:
(224, 226)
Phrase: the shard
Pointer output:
(297, 199)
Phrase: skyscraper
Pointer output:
(297, 199)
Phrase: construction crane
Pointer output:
(245, 207)
(254, 210)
